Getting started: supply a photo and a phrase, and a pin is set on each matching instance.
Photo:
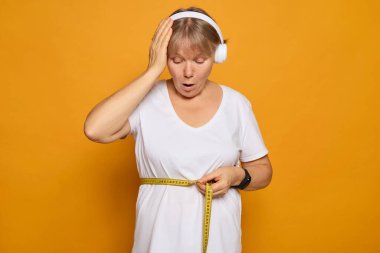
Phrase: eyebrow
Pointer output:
(200, 54)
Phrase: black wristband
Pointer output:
(245, 182)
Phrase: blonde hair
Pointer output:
(201, 35)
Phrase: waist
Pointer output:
(207, 202)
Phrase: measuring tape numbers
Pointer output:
(185, 182)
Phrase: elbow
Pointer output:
(265, 178)
(268, 177)
(91, 134)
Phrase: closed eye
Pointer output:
(200, 60)
(176, 62)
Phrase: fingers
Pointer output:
(216, 193)
(220, 193)
(220, 185)
(163, 37)
(161, 29)
(209, 177)
(219, 188)
(158, 50)
(158, 28)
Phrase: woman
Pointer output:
(187, 128)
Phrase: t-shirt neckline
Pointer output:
(184, 123)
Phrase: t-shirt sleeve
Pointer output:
(134, 120)
(252, 143)
(139, 112)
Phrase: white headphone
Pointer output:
(221, 50)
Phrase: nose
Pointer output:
(188, 72)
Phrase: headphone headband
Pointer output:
(198, 15)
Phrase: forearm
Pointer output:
(261, 176)
(111, 114)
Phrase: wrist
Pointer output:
(154, 71)
(239, 176)
(246, 180)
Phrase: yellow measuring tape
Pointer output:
(185, 182)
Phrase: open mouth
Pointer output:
(188, 85)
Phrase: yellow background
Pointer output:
(309, 68)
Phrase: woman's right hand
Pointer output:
(158, 47)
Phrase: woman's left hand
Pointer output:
(222, 177)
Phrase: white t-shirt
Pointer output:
(169, 219)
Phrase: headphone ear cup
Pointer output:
(220, 53)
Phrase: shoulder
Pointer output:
(236, 96)
(154, 96)
(156, 90)
(158, 86)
